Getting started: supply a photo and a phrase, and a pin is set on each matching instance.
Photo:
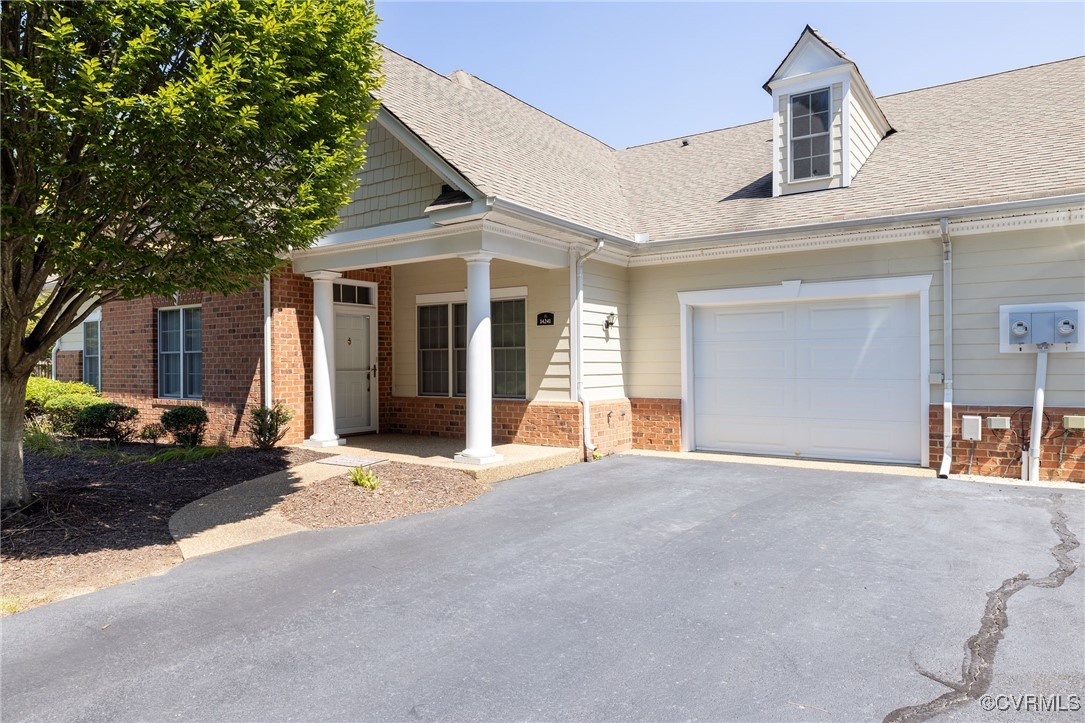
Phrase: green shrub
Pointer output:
(267, 426)
(107, 419)
(38, 438)
(152, 432)
(64, 410)
(187, 424)
(188, 454)
(364, 477)
(40, 391)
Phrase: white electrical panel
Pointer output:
(1073, 422)
(998, 422)
(1023, 327)
(971, 427)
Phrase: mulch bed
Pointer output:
(405, 489)
(97, 520)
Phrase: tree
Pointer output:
(154, 147)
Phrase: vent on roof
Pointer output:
(450, 197)
(463, 78)
(685, 142)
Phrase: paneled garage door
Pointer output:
(833, 379)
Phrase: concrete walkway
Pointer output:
(244, 514)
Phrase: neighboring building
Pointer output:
(774, 288)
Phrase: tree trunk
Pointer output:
(13, 490)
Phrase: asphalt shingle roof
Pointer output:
(1011, 136)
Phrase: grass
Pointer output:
(41, 441)
(187, 454)
(10, 604)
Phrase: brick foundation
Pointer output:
(998, 453)
(69, 366)
(612, 426)
(657, 424)
(551, 424)
(292, 346)
(232, 352)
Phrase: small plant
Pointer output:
(40, 391)
(596, 455)
(267, 426)
(106, 419)
(187, 454)
(152, 433)
(64, 410)
(38, 438)
(187, 424)
(364, 477)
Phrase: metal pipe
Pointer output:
(578, 341)
(947, 349)
(1035, 440)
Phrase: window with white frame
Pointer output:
(92, 354)
(180, 353)
(442, 349)
(810, 157)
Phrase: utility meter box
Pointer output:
(971, 427)
(1024, 327)
(1075, 422)
(998, 423)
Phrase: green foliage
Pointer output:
(38, 437)
(186, 423)
(40, 391)
(187, 454)
(267, 426)
(107, 419)
(64, 410)
(364, 477)
(152, 432)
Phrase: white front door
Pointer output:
(834, 379)
(355, 387)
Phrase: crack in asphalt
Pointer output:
(977, 669)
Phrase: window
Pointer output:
(92, 354)
(351, 294)
(442, 356)
(810, 135)
(180, 353)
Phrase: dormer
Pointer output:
(826, 122)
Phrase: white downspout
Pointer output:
(577, 341)
(268, 401)
(947, 350)
(53, 368)
(1034, 440)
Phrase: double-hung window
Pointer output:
(92, 354)
(810, 156)
(180, 353)
(442, 349)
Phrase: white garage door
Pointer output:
(823, 379)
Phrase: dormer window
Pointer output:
(810, 155)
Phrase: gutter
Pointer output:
(576, 340)
(268, 399)
(947, 350)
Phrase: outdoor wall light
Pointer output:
(611, 320)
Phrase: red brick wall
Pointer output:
(232, 353)
(69, 366)
(292, 345)
(551, 424)
(657, 424)
(611, 426)
(998, 452)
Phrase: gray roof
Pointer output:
(1015, 135)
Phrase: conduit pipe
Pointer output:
(267, 342)
(1031, 472)
(576, 341)
(947, 349)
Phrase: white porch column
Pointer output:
(479, 365)
(323, 361)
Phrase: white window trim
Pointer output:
(791, 180)
(799, 291)
(460, 297)
(372, 285)
(158, 352)
(93, 320)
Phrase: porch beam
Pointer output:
(479, 365)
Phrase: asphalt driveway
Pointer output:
(629, 589)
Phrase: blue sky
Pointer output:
(631, 73)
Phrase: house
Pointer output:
(788, 287)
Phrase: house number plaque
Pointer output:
(546, 318)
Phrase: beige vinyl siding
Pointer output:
(864, 135)
(72, 340)
(547, 346)
(394, 185)
(605, 291)
(1028, 267)
(783, 137)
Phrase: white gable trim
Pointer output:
(431, 158)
